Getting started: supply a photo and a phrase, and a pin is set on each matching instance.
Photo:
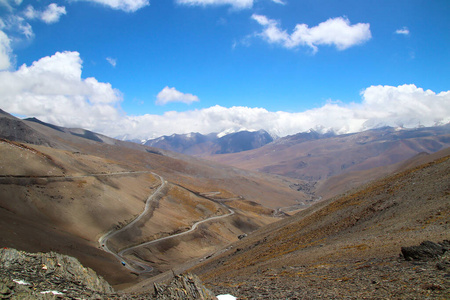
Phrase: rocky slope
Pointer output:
(51, 275)
(349, 246)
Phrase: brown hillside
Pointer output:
(65, 197)
(347, 247)
(317, 158)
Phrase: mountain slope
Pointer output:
(14, 129)
(67, 188)
(316, 158)
(348, 246)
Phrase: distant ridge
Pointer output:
(316, 157)
(14, 129)
(43, 123)
(197, 144)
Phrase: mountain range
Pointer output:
(312, 157)
(310, 215)
(349, 159)
(197, 144)
(61, 189)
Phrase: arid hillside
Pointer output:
(315, 157)
(349, 246)
(136, 214)
(65, 189)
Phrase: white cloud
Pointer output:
(168, 95)
(16, 25)
(50, 15)
(7, 5)
(53, 13)
(403, 31)
(52, 89)
(5, 51)
(403, 106)
(30, 12)
(237, 4)
(112, 61)
(279, 2)
(125, 5)
(337, 32)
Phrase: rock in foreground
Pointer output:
(426, 250)
(181, 287)
(52, 275)
(49, 273)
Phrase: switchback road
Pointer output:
(130, 263)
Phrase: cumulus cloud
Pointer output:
(237, 4)
(50, 15)
(337, 32)
(52, 89)
(168, 95)
(14, 27)
(403, 106)
(403, 31)
(125, 5)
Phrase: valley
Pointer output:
(298, 217)
(65, 192)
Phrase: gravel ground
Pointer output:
(392, 278)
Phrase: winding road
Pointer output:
(130, 263)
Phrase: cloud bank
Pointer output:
(53, 90)
(337, 32)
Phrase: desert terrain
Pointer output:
(63, 189)
(139, 215)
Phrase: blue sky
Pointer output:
(147, 68)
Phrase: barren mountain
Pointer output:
(349, 247)
(361, 156)
(63, 189)
(197, 144)
(137, 214)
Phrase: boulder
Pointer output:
(427, 250)
(183, 287)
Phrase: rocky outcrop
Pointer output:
(49, 273)
(426, 250)
(184, 287)
(55, 276)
